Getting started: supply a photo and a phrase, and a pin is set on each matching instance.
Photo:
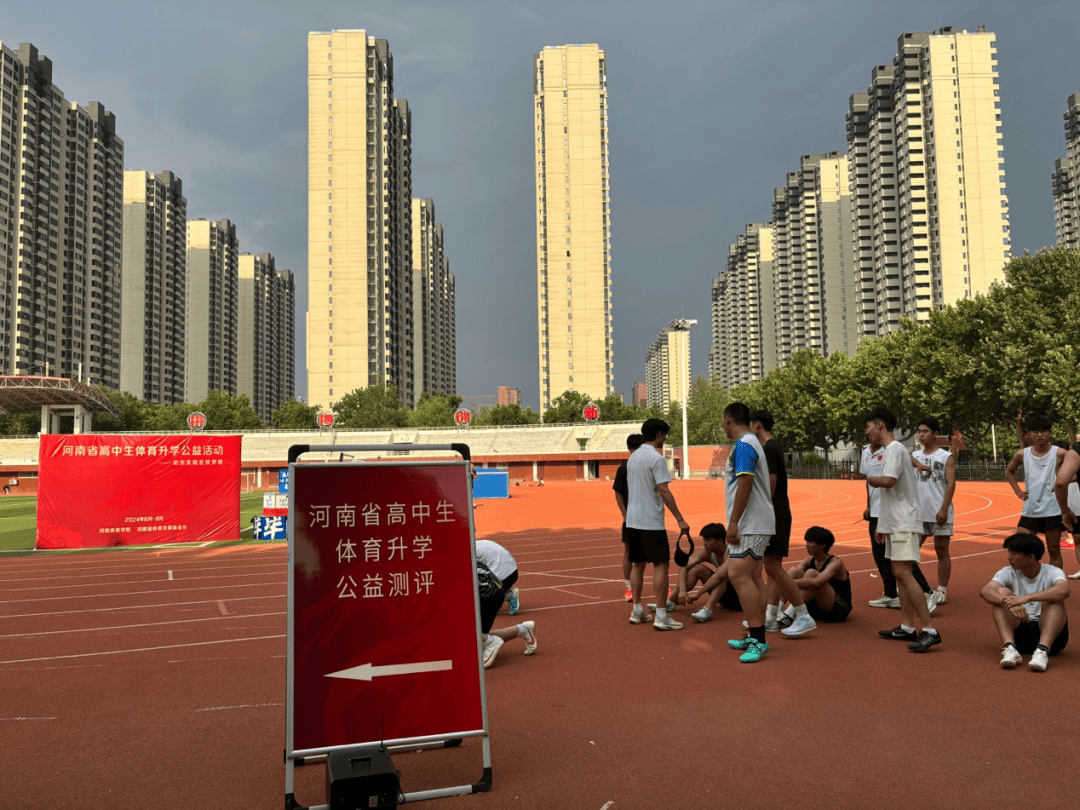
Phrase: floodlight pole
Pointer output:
(683, 325)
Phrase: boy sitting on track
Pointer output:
(497, 572)
(823, 579)
(707, 567)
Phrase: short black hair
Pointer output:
(765, 418)
(931, 423)
(653, 428)
(1062, 444)
(1022, 543)
(1039, 423)
(634, 441)
(739, 413)
(820, 535)
(883, 415)
(714, 531)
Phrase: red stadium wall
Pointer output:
(101, 490)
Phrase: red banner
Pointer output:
(100, 490)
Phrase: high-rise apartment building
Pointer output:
(266, 333)
(667, 368)
(928, 131)
(573, 222)
(210, 349)
(639, 394)
(154, 320)
(434, 352)
(61, 200)
(360, 325)
(1066, 180)
(509, 396)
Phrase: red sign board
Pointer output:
(384, 629)
(463, 416)
(196, 420)
(325, 419)
(591, 412)
(101, 490)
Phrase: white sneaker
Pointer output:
(530, 637)
(884, 601)
(491, 649)
(703, 615)
(641, 618)
(669, 606)
(1010, 657)
(802, 624)
(666, 623)
(1039, 660)
(931, 602)
(1075, 575)
(939, 597)
(771, 626)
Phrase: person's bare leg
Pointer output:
(1005, 623)
(1053, 547)
(637, 579)
(744, 573)
(1051, 620)
(913, 611)
(944, 560)
(785, 585)
(660, 583)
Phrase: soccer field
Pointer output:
(18, 521)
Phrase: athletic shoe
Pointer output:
(931, 602)
(703, 615)
(771, 626)
(924, 642)
(641, 618)
(666, 623)
(669, 606)
(629, 595)
(754, 651)
(939, 597)
(802, 624)
(491, 649)
(1039, 660)
(1010, 657)
(530, 637)
(1075, 576)
(897, 633)
(514, 601)
(741, 643)
(784, 621)
(884, 601)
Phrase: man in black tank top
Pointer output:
(823, 579)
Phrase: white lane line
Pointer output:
(579, 604)
(136, 582)
(217, 658)
(241, 706)
(136, 626)
(574, 593)
(3, 719)
(130, 593)
(140, 649)
(141, 607)
(38, 573)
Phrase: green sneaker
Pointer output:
(754, 651)
(740, 643)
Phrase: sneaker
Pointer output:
(641, 618)
(1010, 657)
(530, 637)
(491, 649)
(669, 606)
(801, 625)
(939, 597)
(784, 621)
(771, 626)
(515, 602)
(884, 601)
(754, 651)
(1075, 576)
(741, 643)
(897, 633)
(931, 602)
(666, 623)
(924, 642)
(1039, 660)
(629, 595)
(703, 615)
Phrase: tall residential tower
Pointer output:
(1066, 180)
(212, 319)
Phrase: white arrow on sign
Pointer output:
(365, 672)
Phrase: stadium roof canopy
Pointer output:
(20, 394)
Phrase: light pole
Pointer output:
(683, 325)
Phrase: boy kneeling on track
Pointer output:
(707, 567)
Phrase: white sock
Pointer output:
(627, 584)
(942, 588)
(661, 613)
(800, 610)
(789, 611)
(907, 629)
(521, 631)
(930, 630)
(638, 608)
(771, 613)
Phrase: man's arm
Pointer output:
(950, 490)
(669, 502)
(881, 481)
(1069, 467)
(1058, 592)
(743, 487)
(818, 578)
(621, 501)
(994, 593)
(1010, 475)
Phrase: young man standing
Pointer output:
(751, 523)
(622, 495)
(1040, 513)
(898, 526)
(936, 490)
(780, 582)
(1028, 600)
(1068, 498)
(647, 479)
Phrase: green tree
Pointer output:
(227, 412)
(132, 413)
(162, 418)
(705, 412)
(434, 410)
(567, 407)
(507, 415)
(20, 424)
(374, 407)
(295, 414)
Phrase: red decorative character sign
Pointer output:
(325, 419)
(463, 416)
(591, 412)
(196, 420)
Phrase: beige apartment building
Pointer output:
(61, 240)
(360, 327)
(210, 348)
(573, 222)
(266, 344)
(153, 322)
(1066, 180)
(434, 352)
(667, 368)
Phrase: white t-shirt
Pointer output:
(931, 486)
(871, 465)
(1022, 586)
(747, 457)
(1074, 498)
(496, 558)
(1040, 475)
(644, 471)
(899, 503)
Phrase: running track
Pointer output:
(155, 679)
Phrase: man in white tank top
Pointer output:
(936, 489)
(1068, 498)
(1041, 513)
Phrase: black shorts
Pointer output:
(1041, 525)
(648, 545)
(780, 542)
(1026, 638)
(625, 539)
(490, 605)
(839, 612)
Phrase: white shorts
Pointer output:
(902, 547)
(752, 544)
(930, 528)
